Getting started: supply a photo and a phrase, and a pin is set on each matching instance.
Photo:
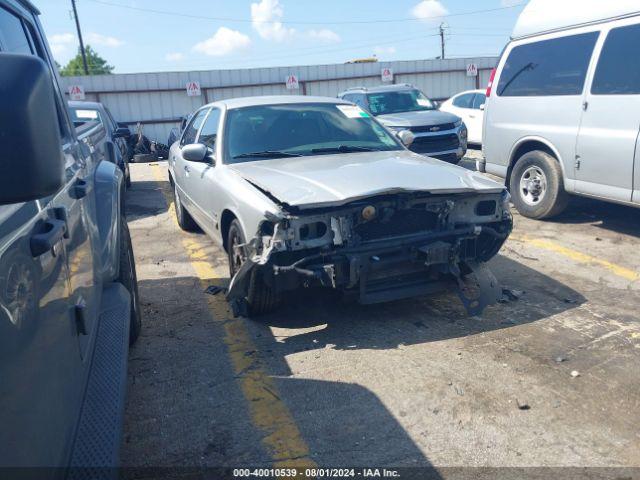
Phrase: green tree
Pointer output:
(96, 64)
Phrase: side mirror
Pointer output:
(122, 132)
(197, 152)
(32, 164)
(406, 137)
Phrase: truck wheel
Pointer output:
(129, 279)
(185, 220)
(261, 298)
(536, 186)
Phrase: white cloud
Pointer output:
(223, 42)
(384, 50)
(266, 18)
(429, 10)
(324, 35)
(60, 42)
(173, 57)
(103, 40)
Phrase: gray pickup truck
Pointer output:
(68, 294)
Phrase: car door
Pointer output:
(476, 118)
(202, 176)
(608, 134)
(182, 169)
(40, 363)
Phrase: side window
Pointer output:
(464, 101)
(209, 130)
(479, 100)
(360, 100)
(189, 135)
(550, 67)
(13, 36)
(618, 71)
(349, 97)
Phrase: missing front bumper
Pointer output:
(389, 270)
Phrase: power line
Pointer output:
(84, 56)
(283, 22)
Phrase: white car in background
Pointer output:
(469, 106)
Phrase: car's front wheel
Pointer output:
(261, 298)
(536, 186)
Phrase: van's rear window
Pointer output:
(549, 67)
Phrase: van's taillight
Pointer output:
(490, 84)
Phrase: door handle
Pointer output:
(79, 189)
(44, 242)
(186, 168)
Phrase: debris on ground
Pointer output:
(570, 300)
(575, 373)
(522, 405)
(510, 295)
(560, 359)
(214, 289)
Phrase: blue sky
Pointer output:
(220, 34)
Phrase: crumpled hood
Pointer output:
(329, 180)
(425, 118)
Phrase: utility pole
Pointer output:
(442, 40)
(84, 57)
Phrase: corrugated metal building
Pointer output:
(158, 100)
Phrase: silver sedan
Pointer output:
(313, 191)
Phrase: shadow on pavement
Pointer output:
(417, 320)
(600, 214)
(144, 199)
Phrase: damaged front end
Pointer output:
(382, 248)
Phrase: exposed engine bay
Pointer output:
(382, 248)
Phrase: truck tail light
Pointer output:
(490, 84)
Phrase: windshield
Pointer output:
(82, 116)
(399, 101)
(293, 130)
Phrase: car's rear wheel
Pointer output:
(185, 220)
(127, 277)
(536, 185)
(261, 298)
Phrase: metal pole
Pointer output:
(84, 56)
(442, 40)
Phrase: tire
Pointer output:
(184, 218)
(261, 298)
(537, 187)
(127, 277)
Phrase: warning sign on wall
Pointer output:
(193, 89)
(76, 92)
(472, 70)
(292, 82)
(387, 75)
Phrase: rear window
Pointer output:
(551, 67)
(618, 71)
(84, 116)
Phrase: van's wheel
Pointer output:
(261, 298)
(536, 185)
(185, 220)
(129, 279)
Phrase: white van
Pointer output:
(563, 106)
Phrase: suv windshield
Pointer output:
(294, 130)
(383, 103)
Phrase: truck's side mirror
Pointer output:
(32, 164)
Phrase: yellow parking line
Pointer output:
(579, 257)
(282, 439)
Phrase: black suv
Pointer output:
(68, 294)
